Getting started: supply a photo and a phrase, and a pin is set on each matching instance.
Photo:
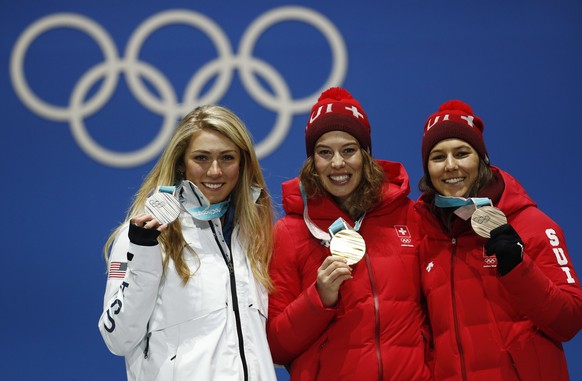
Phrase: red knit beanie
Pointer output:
(337, 110)
(454, 119)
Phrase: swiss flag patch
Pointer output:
(402, 231)
(404, 234)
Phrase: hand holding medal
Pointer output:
(487, 218)
(348, 244)
(163, 206)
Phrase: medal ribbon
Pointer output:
(338, 225)
(167, 189)
(452, 202)
(465, 206)
(207, 213)
(203, 213)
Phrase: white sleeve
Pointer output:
(131, 293)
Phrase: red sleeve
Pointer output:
(545, 286)
(297, 318)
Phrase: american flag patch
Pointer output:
(117, 270)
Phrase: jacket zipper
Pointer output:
(229, 264)
(147, 346)
(455, 318)
(377, 317)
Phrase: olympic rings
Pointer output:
(490, 260)
(166, 103)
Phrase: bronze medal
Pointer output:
(348, 244)
(485, 219)
(163, 206)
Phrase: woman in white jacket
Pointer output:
(187, 300)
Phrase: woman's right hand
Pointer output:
(331, 274)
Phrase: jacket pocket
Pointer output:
(309, 364)
(426, 337)
(536, 358)
(321, 348)
(157, 352)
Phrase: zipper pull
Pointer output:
(147, 347)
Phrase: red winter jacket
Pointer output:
(377, 331)
(487, 327)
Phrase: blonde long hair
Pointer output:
(255, 219)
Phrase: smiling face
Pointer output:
(453, 167)
(338, 162)
(212, 163)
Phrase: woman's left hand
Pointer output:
(147, 221)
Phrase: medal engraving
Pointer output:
(348, 244)
(163, 206)
(486, 219)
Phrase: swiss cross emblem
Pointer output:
(404, 234)
(402, 231)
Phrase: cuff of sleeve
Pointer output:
(142, 236)
(507, 263)
(315, 300)
(521, 270)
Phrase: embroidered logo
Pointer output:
(429, 267)
(404, 234)
(489, 261)
(117, 270)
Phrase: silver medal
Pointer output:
(163, 206)
(487, 218)
(348, 244)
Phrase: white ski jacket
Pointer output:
(211, 328)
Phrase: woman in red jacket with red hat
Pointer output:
(501, 290)
(356, 314)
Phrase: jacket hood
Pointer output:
(395, 189)
(514, 197)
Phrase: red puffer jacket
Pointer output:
(377, 331)
(487, 327)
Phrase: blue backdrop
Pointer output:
(91, 90)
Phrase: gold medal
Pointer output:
(487, 218)
(348, 244)
(163, 206)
